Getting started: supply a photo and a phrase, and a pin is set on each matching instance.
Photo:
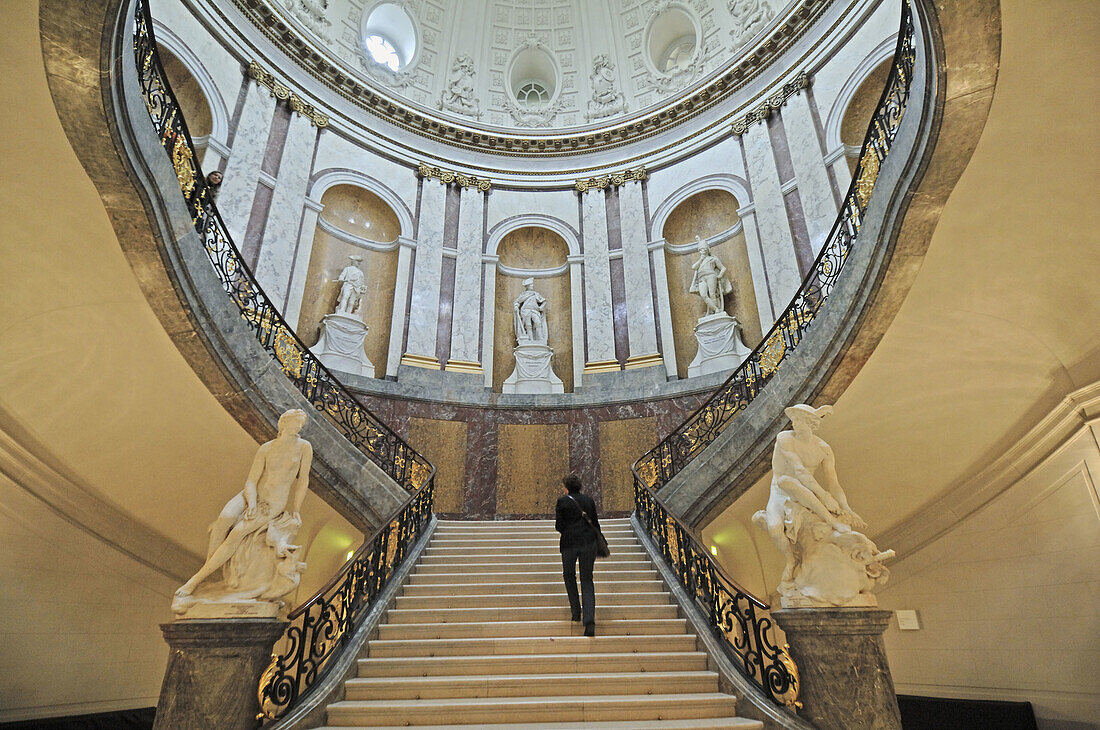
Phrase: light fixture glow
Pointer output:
(382, 51)
(349, 556)
(714, 550)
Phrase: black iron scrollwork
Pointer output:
(735, 615)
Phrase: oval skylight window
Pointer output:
(389, 36)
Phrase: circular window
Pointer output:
(533, 77)
(672, 40)
(389, 36)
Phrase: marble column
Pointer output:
(247, 154)
(297, 286)
(576, 273)
(780, 261)
(465, 326)
(405, 250)
(845, 678)
(275, 261)
(764, 308)
(214, 668)
(664, 306)
(488, 310)
(427, 276)
(814, 189)
(598, 314)
(641, 325)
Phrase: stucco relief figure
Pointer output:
(827, 561)
(251, 541)
(606, 100)
(312, 14)
(352, 286)
(709, 280)
(749, 18)
(529, 312)
(458, 96)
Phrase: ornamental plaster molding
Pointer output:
(773, 102)
(615, 179)
(449, 177)
(284, 93)
(358, 241)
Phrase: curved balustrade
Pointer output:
(736, 615)
(361, 427)
(321, 626)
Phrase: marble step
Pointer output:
(505, 524)
(706, 723)
(530, 685)
(447, 566)
(505, 544)
(685, 661)
(473, 577)
(527, 645)
(480, 711)
(615, 627)
(523, 613)
(519, 600)
(550, 554)
(513, 529)
(547, 586)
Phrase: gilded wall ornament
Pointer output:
(616, 179)
(450, 177)
(774, 102)
(283, 93)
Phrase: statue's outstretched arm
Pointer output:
(301, 482)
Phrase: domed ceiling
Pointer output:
(534, 64)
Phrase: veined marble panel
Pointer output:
(337, 152)
(599, 327)
(776, 238)
(276, 256)
(465, 324)
(427, 270)
(640, 322)
(818, 203)
(243, 169)
(505, 204)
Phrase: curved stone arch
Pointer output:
(333, 176)
(219, 113)
(533, 220)
(883, 52)
(736, 186)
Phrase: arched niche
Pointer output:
(353, 221)
(542, 253)
(709, 214)
(857, 115)
(192, 99)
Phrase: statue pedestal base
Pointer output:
(844, 677)
(720, 345)
(214, 667)
(340, 345)
(533, 373)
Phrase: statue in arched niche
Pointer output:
(529, 313)
(709, 280)
(352, 286)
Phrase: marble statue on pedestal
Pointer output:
(533, 372)
(340, 345)
(827, 561)
(251, 541)
(718, 334)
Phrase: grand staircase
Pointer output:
(480, 637)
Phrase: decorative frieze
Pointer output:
(284, 93)
(776, 100)
(449, 177)
(615, 179)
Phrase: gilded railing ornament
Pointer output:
(449, 177)
(774, 102)
(284, 93)
(616, 179)
(868, 176)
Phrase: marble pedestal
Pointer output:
(533, 373)
(720, 345)
(340, 345)
(214, 669)
(846, 683)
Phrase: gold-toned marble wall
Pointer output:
(707, 214)
(531, 463)
(533, 248)
(621, 443)
(444, 444)
(193, 102)
(853, 126)
(365, 215)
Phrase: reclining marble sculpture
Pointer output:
(828, 562)
(252, 538)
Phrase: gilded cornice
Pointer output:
(269, 21)
(448, 177)
(615, 179)
(776, 100)
(283, 93)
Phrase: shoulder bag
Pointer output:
(602, 549)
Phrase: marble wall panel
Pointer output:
(276, 256)
(815, 191)
(427, 270)
(444, 444)
(466, 328)
(598, 311)
(619, 442)
(243, 168)
(505, 204)
(532, 461)
(721, 158)
(637, 278)
(557, 291)
(336, 152)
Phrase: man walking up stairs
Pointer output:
(481, 637)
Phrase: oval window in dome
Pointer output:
(533, 77)
(672, 40)
(389, 36)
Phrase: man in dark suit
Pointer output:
(576, 520)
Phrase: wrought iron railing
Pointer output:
(362, 428)
(736, 616)
(323, 624)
